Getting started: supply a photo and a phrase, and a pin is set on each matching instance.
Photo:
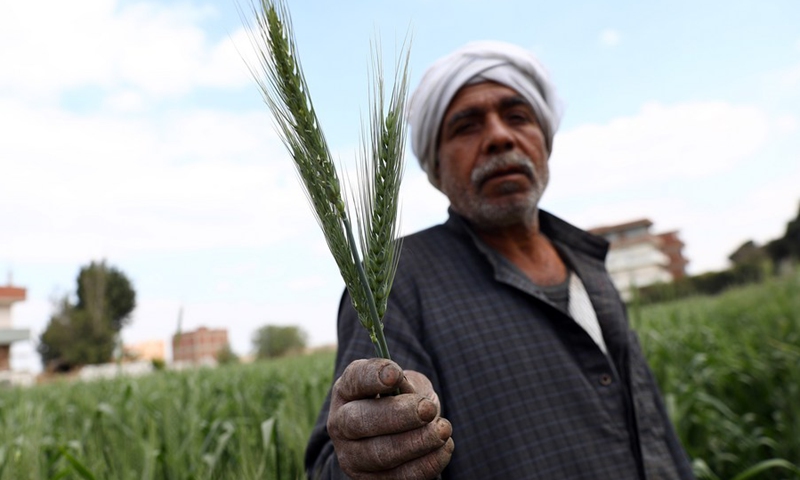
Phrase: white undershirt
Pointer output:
(582, 311)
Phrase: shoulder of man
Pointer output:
(578, 239)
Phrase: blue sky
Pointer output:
(132, 131)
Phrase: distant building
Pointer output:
(198, 346)
(637, 257)
(147, 350)
(114, 370)
(673, 247)
(9, 295)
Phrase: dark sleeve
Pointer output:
(401, 327)
(679, 455)
(657, 434)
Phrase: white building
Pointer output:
(637, 258)
(8, 296)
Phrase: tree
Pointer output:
(274, 341)
(749, 253)
(72, 339)
(87, 332)
(788, 246)
(106, 291)
(226, 355)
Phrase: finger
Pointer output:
(366, 378)
(381, 416)
(419, 384)
(425, 467)
(388, 452)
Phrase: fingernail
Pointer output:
(389, 375)
(426, 410)
(444, 429)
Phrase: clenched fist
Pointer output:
(377, 435)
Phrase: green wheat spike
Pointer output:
(284, 89)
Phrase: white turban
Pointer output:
(477, 62)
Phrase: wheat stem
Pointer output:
(375, 320)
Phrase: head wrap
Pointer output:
(477, 62)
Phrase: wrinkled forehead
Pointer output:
(477, 98)
(486, 92)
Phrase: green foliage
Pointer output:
(749, 253)
(104, 286)
(226, 355)
(73, 338)
(86, 333)
(729, 367)
(273, 341)
(232, 422)
(709, 283)
(788, 246)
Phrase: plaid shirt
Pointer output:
(528, 392)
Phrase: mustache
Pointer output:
(508, 161)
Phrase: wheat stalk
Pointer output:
(284, 89)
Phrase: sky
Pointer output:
(132, 131)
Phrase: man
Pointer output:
(518, 358)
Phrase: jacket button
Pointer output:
(605, 379)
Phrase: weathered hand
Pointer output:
(387, 437)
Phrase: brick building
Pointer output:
(672, 246)
(199, 345)
(637, 257)
(9, 295)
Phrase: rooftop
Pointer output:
(12, 294)
(621, 227)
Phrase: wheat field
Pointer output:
(728, 366)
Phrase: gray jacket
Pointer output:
(528, 392)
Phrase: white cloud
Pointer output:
(150, 47)
(610, 37)
(88, 186)
(769, 207)
(116, 182)
(661, 143)
(605, 166)
(710, 230)
(126, 101)
(308, 283)
(786, 123)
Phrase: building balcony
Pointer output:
(10, 335)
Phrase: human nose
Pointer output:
(499, 138)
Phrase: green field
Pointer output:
(729, 367)
(233, 422)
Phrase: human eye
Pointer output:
(520, 116)
(464, 127)
(464, 122)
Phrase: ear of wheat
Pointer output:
(367, 262)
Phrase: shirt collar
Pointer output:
(553, 227)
